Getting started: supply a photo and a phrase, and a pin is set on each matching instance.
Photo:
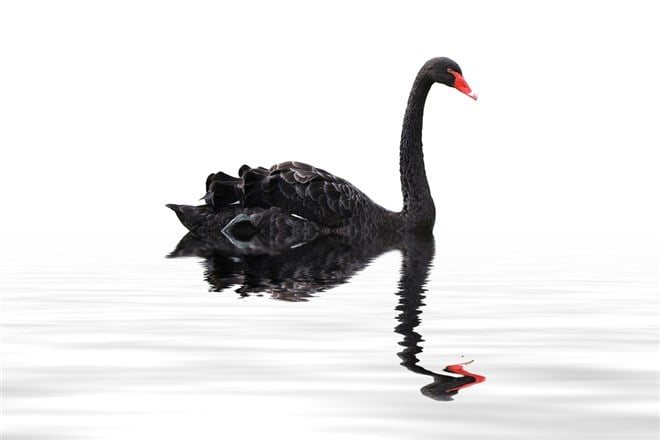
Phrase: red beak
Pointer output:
(462, 86)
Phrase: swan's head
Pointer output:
(446, 71)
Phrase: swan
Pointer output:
(292, 203)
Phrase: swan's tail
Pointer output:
(192, 217)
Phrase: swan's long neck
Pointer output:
(418, 208)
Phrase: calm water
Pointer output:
(111, 340)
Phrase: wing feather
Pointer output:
(294, 187)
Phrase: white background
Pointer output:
(109, 110)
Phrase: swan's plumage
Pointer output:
(248, 230)
(293, 187)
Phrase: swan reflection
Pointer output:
(417, 260)
(296, 274)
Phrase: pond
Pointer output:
(465, 336)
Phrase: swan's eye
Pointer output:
(450, 70)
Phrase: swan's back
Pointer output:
(296, 188)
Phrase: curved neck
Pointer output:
(418, 209)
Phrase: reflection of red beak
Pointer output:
(458, 369)
(462, 86)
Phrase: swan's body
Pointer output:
(293, 202)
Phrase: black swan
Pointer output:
(293, 203)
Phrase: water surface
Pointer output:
(112, 340)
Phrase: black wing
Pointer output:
(293, 187)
